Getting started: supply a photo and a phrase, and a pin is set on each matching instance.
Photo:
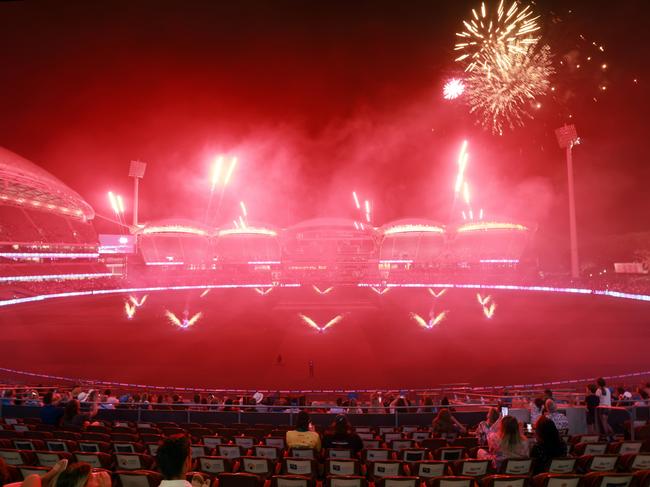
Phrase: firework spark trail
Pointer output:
(466, 192)
(243, 209)
(231, 169)
(435, 319)
(462, 164)
(316, 326)
(512, 28)
(204, 293)
(356, 200)
(263, 291)
(503, 90)
(322, 291)
(483, 300)
(438, 294)
(488, 311)
(216, 172)
(380, 291)
(186, 322)
(129, 310)
(137, 303)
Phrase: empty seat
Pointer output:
(213, 441)
(470, 468)
(624, 447)
(230, 451)
(95, 446)
(450, 481)
(299, 466)
(516, 466)
(346, 481)
(465, 441)
(270, 452)
(413, 454)
(27, 471)
(61, 445)
(95, 459)
(376, 454)
(386, 468)
(429, 468)
(589, 448)
(133, 461)
(138, 478)
(449, 453)
(29, 444)
(597, 463)
(240, 479)
(556, 480)
(504, 481)
(421, 436)
(258, 465)
(276, 441)
(342, 466)
(562, 465)
(607, 479)
(17, 457)
(291, 481)
(397, 482)
(214, 465)
(635, 461)
(245, 441)
(398, 445)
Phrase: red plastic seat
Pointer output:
(133, 461)
(299, 466)
(411, 455)
(427, 469)
(556, 480)
(624, 447)
(607, 479)
(516, 466)
(291, 481)
(49, 458)
(597, 463)
(230, 451)
(450, 481)
(27, 444)
(633, 462)
(61, 445)
(505, 481)
(303, 453)
(259, 466)
(346, 481)
(270, 452)
(95, 459)
(470, 468)
(12, 456)
(137, 478)
(449, 453)
(563, 465)
(387, 468)
(376, 454)
(397, 482)
(214, 465)
(238, 480)
(342, 467)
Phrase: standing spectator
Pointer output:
(8, 397)
(508, 442)
(304, 435)
(536, 409)
(50, 413)
(592, 401)
(341, 435)
(560, 420)
(548, 445)
(605, 396)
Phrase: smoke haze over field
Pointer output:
(316, 99)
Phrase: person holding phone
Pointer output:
(507, 442)
(490, 425)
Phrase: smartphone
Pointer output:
(504, 411)
(529, 428)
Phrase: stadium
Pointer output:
(259, 247)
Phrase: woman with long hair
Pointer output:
(508, 442)
(605, 396)
(548, 445)
(341, 435)
(446, 426)
(72, 415)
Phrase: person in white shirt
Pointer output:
(605, 396)
(174, 459)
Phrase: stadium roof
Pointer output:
(24, 183)
(342, 223)
(175, 225)
(412, 225)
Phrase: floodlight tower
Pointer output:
(567, 137)
(136, 171)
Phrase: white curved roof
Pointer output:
(175, 225)
(27, 184)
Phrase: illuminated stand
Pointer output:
(567, 137)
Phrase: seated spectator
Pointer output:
(427, 407)
(72, 415)
(174, 459)
(508, 442)
(341, 435)
(108, 400)
(353, 407)
(560, 420)
(548, 445)
(490, 425)
(624, 397)
(445, 425)
(51, 476)
(338, 409)
(536, 409)
(304, 435)
(81, 475)
(50, 413)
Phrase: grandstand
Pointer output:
(175, 242)
(45, 227)
(333, 249)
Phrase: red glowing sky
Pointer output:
(316, 99)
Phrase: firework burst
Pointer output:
(512, 28)
(504, 88)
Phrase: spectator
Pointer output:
(548, 445)
(592, 401)
(560, 420)
(643, 398)
(8, 397)
(624, 397)
(427, 407)
(82, 475)
(508, 442)
(72, 415)
(536, 409)
(50, 477)
(605, 397)
(304, 435)
(50, 413)
(488, 426)
(338, 409)
(341, 435)
(354, 407)
(445, 425)
(108, 400)
(174, 458)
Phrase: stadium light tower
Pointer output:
(567, 137)
(136, 171)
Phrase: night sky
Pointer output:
(318, 98)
